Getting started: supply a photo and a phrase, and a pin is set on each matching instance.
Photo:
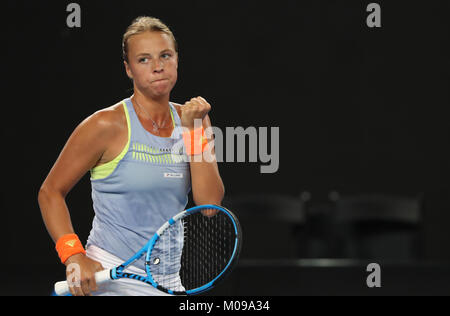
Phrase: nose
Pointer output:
(158, 65)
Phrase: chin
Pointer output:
(159, 94)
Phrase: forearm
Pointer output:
(207, 185)
(54, 213)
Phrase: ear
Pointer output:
(128, 70)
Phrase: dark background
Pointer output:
(360, 110)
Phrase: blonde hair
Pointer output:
(144, 24)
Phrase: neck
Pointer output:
(158, 108)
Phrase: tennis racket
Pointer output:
(188, 255)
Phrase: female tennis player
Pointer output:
(138, 175)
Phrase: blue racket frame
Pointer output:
(118, 272)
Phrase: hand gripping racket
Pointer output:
(188, 255)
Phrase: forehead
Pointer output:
(150, 42)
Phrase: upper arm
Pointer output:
(81, 152)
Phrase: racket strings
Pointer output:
(165, 259)
(208, 248)
(193, 252)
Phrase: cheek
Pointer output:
(141, 74)
(175, 75)
(174, 71)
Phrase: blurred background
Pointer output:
(364, 133)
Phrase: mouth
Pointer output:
(158, 80)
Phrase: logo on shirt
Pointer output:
(173, 175)
(155, 155)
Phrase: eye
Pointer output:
(143, 60)
(166, 55)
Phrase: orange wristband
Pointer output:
(69, 245)
(195, 141)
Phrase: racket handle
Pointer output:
(101, 277)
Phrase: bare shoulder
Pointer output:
(102, 128)
(108, 131)
(108, 120)
(113, 115)
(87, 146)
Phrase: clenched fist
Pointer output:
(195, 109)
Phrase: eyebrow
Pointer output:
(168, 50)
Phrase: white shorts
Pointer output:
(124, 287)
